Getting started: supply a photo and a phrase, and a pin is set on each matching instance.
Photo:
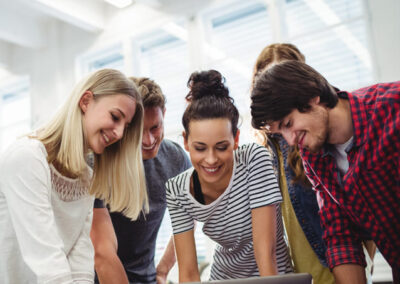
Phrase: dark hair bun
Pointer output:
(206, 84)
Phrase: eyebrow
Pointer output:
(218, 143)
(123, 115)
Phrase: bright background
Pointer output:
(47, 45)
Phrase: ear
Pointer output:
(315, 101)
(236, 141)
(163, 113)
(86, 98)
(185, 141)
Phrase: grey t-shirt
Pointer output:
(137, 239)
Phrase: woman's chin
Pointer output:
(97, 149)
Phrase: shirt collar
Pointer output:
(359, 117)
(357, 112)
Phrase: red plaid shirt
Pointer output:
(365, 202)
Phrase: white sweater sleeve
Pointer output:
(81, 257)
(26, 185)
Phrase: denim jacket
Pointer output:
(304, 202)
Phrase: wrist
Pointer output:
(162, 269)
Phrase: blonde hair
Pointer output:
(118, 177)
(278, 52)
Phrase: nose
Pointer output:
(289, 136)
(211, 158)
(148, 138)
(119, 131)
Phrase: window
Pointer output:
(237, 35)
(333, 35)
(164, 57)
(15, 111)
(111, 57)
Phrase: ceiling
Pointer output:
(22, 22)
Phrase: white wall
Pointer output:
(385, 26)
(51, 69)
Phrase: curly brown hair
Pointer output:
(150, 92)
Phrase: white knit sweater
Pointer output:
(45, 220)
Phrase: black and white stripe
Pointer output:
(227, 220)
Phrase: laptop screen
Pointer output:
(291, 278)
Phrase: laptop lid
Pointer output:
(291, 278)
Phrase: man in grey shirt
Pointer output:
(125, 249)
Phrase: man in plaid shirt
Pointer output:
(350, 145)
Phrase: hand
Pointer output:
(161, 277)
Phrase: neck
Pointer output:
(340, 123)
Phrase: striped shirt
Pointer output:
(227, 220)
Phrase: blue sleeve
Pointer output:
(98, 203)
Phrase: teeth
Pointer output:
(148, 148)
(106, 138)
(300, 143)
(211, 170)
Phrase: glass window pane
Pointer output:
(305, 16)
(333, 36)
(237, 36)
(341, 55)
(164, 58)
(111, 57)
(15, 111)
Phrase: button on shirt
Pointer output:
(364, 203)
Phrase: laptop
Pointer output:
(291, 278)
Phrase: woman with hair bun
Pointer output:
(232, 189)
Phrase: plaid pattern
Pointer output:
(365, 202)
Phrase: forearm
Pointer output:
(349, 274)
(189, 275)
(110, 270)
(264, 239)
(167, 261)
(187, 257)
(108, 266)
(266, 259)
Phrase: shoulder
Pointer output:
(170, 148)
(381, 94)
(174, 154)
(25, 161)
(23, 152)
(251, 152)
(178, 183)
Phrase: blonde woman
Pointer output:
(47, 189)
